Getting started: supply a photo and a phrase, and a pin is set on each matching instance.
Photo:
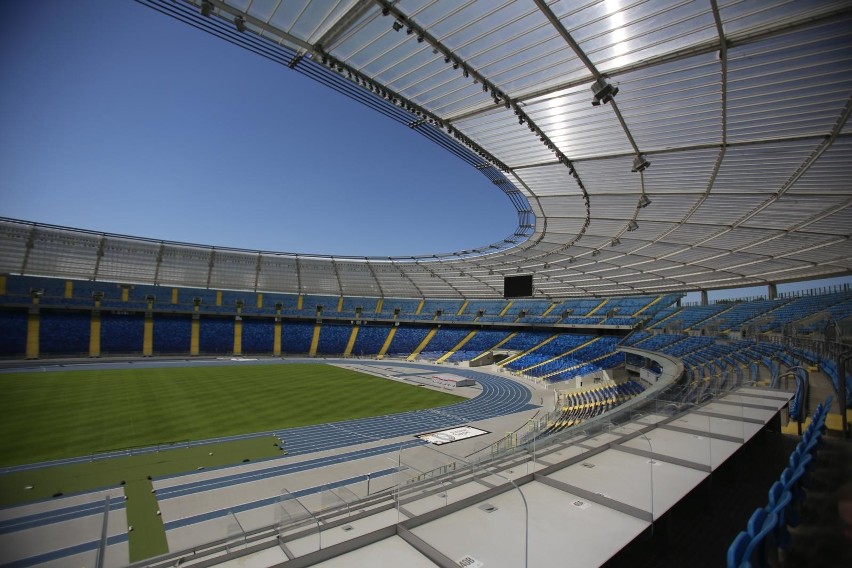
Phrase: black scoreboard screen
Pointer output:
(518, 286)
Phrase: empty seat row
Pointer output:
(767, 529)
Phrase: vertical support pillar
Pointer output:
(2, 284)
(276, 330)
(148, 329)
(33, 331)
(219, 298)
(238, 336)
(174, 295)
(194, 334)
(704, 300)
(95, 330)
(69, 289)
(772, 291)
(276, 338)
(148, 335)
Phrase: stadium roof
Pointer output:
(649, 146)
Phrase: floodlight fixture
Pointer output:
(596, 252)
(640, 164)
(240, 22)
(615, 242)
(632, 225)
(420, 38)
(385, 11)
(206, 8)
(397, 25)
(603, 91)
(644, 201)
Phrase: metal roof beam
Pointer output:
(735, 40)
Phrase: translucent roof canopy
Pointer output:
(649, 146)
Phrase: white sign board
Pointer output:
(452, 435)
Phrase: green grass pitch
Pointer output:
(52, 415)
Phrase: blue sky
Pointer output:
(116, 118)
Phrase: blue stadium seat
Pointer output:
(780, 501)
(760, 528)
(737, 550)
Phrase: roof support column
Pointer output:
(772, 290)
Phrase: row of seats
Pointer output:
(767, 529)
(579, 407)
(764, 315)
(80, 294)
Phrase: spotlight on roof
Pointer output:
(644, 201)
(603, 92)
(420, 38)
(240, 22)
(640, 164)
(385, 11)
(596, 252)
(206, 8)
(632, 226)
(615, 242)
(397, 25)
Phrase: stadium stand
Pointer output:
(171, 334)
(64, 333)
(333, 339)
(296, 337)
(406, 340)
(483, 341)
(578, 407)
(122, 333)
(442, 342)
(258, 336)
(767, 535)
(13, 329)
(745, 115)
(404, 307)
(551, 350)
(369, 340)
